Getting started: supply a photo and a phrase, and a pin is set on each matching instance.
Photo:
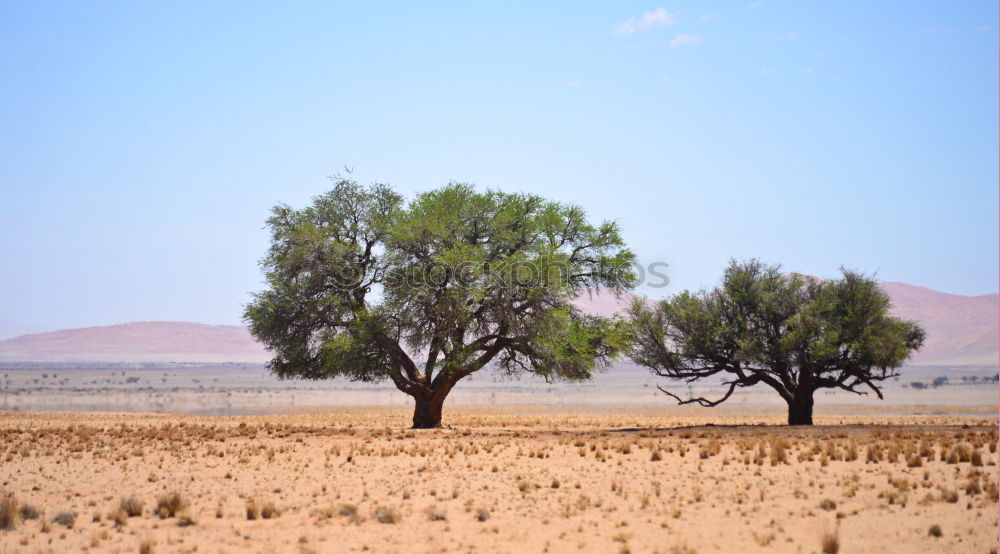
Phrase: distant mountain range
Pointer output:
(962, 331)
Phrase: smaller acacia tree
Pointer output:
(793, 333)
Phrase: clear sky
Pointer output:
(143, 143)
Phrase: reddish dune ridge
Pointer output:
(962, 331)
(142, 341)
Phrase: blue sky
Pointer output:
(143, 143)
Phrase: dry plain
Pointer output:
(500, 479)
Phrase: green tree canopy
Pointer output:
(425, 293)
(793, 333)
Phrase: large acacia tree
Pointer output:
(792, 333)
(361, 284)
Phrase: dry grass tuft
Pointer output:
(949, 496)
(960, 453)
(386, 515)
(67, 519)
(350, 511)
(146, 547)
(170, 505)
(253, 511)
(28, 512)
(830, 542)
(977, 458)
(132, 506)
(779, 453)
(269, 511)
(436, 514)
(119, 516)
(8, 511)
(185, 519)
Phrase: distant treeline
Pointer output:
(943, 380)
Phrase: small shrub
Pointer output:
(436, 514)
(170, 505)
(347, 510)
(973, 487)
(28, 512)
(656, 456)
(350, 511)
(132, 506)
(146, 547)
(934, 531)
(828, 505)
(185, 519)
(386, 515)
(66, 519)
(482, 514)
(253, 512)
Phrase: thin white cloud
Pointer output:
(685, 39)
(574, 83)
(708, 16)
(755, 5)
(768, 71)
(790, 35)
(654, 19)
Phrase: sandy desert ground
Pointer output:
(500, 479)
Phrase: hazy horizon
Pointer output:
(10, 328)
(145, 144)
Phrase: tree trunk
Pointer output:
(427, 411)
(800, 408)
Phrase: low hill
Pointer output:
(143, 341)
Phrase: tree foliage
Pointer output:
(793, 333)
(361, 284)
